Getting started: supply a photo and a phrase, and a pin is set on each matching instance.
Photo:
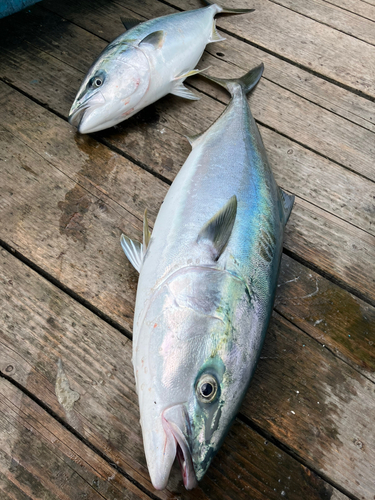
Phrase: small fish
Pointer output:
(147, 62)
(208, 276)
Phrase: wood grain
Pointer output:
(336, 319)
(361, 8)
(39, 458)
(330, 15)
(97, 363)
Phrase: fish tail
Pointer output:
(247, 82)
(223, 10)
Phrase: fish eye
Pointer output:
(207, 388)
(96, 81)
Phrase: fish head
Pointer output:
(193, 371)
(112, 89)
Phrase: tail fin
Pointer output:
(222, 10)
(248, 82)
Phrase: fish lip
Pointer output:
(78, 109)
(183, 454)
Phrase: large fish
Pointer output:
(142, 65)
(207, 282)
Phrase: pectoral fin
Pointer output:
(156, 39)
(217, 230)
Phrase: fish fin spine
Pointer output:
(190, 73)
(218, 229)
(146, 233)
(193, 139)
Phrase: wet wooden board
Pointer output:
(40, 458)
(96, 361)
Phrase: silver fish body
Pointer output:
(142, 65)
(204, 301)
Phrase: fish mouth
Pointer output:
(79, 108)
(183, 454)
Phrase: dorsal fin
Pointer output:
(129, 23)
(218, 229)
(287, 201)
(156, 39)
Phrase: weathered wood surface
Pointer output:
(41, 324)
(65, 199)
(330, 15)
(360, 7)
(53, 209)
(39, 458)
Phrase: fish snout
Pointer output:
(175, 423)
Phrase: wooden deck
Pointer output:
(307, 427)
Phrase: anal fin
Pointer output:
(182, 91)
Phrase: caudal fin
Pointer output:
(222, 10)
(248, 81)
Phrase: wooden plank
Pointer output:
(322, 399)
(39, 458)
(75, 211)
(330, 15)
(303, 41)
(338, 320)
(97, 363)
(361, 8)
